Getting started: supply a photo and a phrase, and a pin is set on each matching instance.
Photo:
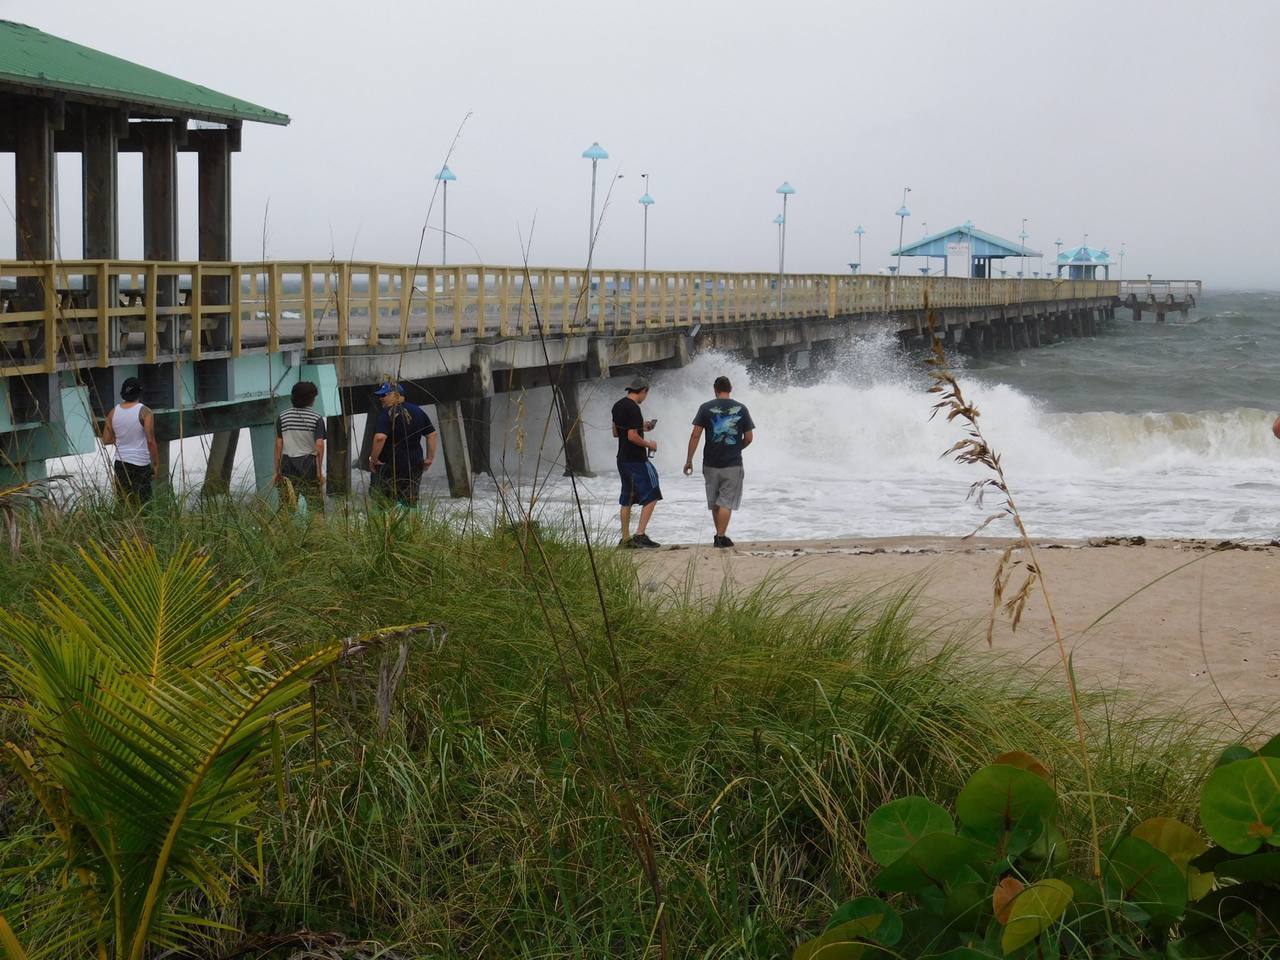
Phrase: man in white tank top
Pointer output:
(131, 427)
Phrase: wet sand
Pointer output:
(1219, 616)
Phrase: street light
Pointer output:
(646, 201)
(786, 190)
(902, 213)
(595, 153)
(1122, 260)
(1057, 257)
(444, 176)
(778, 222)
(1023, 237)
(859, 232)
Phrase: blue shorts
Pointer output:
(639, 483)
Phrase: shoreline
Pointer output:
(1178, 636)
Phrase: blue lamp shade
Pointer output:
(595, 152)
(647, 200)
(778, 220)
(445, 173)
(859, 231)
(785, 188)
(902, 211)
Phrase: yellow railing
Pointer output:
(52, 317)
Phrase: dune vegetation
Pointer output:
(558, 761)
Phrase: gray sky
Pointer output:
(1153, 123)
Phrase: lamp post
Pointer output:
(595, 153)
(1122, 261)
(1057, 257)
(646, 201)
(779, 221)
(786, 190)
(902, 213)
(1023, 237)
(858, 233)
(444, 176)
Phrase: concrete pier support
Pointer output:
(453, 444)
(477, 415)
(222, 456)
(575, 451)
(337, 455)
(262, 440)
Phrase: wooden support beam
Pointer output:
(99, 177)
(34, 186)
(160, 221)
(213, 177)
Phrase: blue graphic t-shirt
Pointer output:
(724, 422)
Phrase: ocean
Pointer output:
(1159, 430)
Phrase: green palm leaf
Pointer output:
(152, 711)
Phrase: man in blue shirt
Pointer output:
(396, 463)
(730, 430)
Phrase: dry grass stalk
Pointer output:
(974, 449)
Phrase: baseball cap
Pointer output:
(388, 387)
(637, 384)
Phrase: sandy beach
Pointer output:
(1216, 616)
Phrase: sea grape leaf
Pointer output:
(1034, 911)
(1140, 875)
(999, 796)
(889, 930)
(1237, 751)
(1024, 761)
(1271, 748)
(1240, 804)
(932, 860)
(1002, 897)
(897, 825)
(966, 904)
(1181, 844)
(1263, 867)
(844, 942)
(1007, 844)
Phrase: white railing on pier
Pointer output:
(1161, 291)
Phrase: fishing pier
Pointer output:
(218, 343)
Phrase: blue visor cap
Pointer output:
(387, 388)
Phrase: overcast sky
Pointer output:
(1153, 123)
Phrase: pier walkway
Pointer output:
(218, 345)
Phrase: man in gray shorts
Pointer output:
(729, 431)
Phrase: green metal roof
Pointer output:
(31, 58)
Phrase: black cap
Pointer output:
(637, 385)
(131, 389)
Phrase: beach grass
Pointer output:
(694, 773)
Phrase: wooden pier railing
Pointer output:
(1153, 291)
(52, 315)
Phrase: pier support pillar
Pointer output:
(262, 439)
(477, 415)
(163, 478)
(1033, 330)
(453, 443)
(160, 214)
(987, 340)
(100, 220)
(222, 456)
(337, 455)
(575, 451)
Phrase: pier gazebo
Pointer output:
(965, 251)
(1083, 263)
(61, 97)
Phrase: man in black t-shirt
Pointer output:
(396, 463)
(639, 478)
(730, 430)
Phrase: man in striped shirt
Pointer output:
(300, 446)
